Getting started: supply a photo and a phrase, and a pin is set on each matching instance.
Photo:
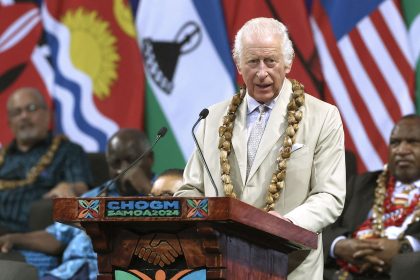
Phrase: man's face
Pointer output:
(121, 153)
(27, 117)
(262, 66)
(404, 151)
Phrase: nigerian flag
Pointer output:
(411, 11)
(187, 61)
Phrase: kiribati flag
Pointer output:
(82, 54)
(98, 78)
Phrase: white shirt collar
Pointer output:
(399, 184)
(253, 104)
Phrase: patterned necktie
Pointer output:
(255, 138)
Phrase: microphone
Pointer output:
(203, 114)
(161, 133)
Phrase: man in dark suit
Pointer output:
(379, 230)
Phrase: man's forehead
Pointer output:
(22, 97)
(121, 146)
(259, 45)
(262, 52)
(409, 128)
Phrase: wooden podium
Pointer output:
(184, 238)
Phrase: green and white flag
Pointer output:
(186, 56)
(411, 10)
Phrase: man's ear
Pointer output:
(238, 66)
(287, 69)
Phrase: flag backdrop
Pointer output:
(145, 64)
(368, 68)
(411, 11)
(84, 56)
(177, 51)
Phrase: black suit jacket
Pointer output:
(359, 201)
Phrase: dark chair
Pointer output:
(99, 168)
(405, 266)
(15, 270)
(351, 164)
(40, 215)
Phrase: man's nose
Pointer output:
(262, 71)
(24, 114)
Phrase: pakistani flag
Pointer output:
(412, 18)
(187, 61)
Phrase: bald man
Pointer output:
(167, 183)
(36, 164)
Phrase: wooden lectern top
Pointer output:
(176, 213)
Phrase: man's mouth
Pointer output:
(403, 163)
(25, 126)
(263, 86)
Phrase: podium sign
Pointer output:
(184, 238)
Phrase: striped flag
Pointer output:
(20, 31)
(358, 55)
(88, 64)
(411, 10)
(368, 68)
(96, 64)
(188, 65)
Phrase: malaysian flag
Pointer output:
(368, 69)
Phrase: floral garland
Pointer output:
(36, 170)
(383, 204)
(378, 204)
(294, 116)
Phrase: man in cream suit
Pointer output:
(272, 145)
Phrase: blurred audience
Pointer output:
(167, 183)
(378, 234)
(71, 244)
(36, 164)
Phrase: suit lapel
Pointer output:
(274, 130)
(239, 142)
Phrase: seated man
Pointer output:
(78, 257)
(167, 183)
(36, 164)
(377, 226)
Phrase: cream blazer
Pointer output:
(315, 178)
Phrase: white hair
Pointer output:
(265, 27)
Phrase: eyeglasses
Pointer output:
(30, 108)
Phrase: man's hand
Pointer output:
(378, 260)
(389, 250)
(353, 250)
(135, 182)
(65, 189)
(6, 243)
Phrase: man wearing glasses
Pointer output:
(36, 164)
